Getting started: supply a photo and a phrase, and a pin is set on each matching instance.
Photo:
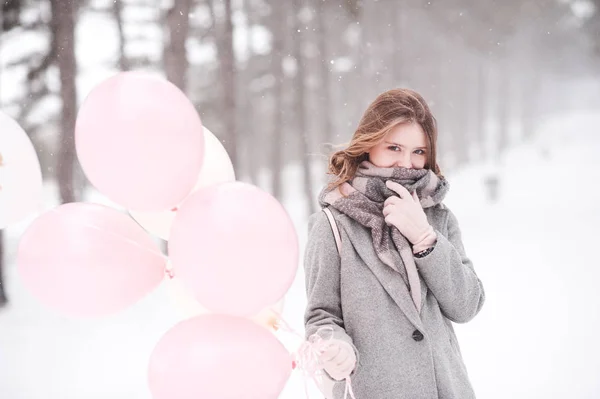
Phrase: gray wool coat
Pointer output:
(401, 354)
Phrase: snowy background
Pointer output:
(533, 245)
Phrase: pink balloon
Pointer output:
(218, 357)
(140, 141)
(88, 260)
(20, 174)
(235, 247)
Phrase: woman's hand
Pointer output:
(338, 359)
(406, 214)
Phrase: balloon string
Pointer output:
(307, 357)
(122, 238)
(348, 390)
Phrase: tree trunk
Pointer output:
(360, 73)
(175, 55)
(471, 110)
(482, 111)
(3, 299)
(503, 99)
(301, 110)
(594, 22)
(118, 14)
(10, 14)
(461, 97)
(63, 28)
(279, 23)
(398, 29)
(442, 106)
(530, 86)
(325, 88)
(246, 104)
(227, 72)
(531, 106)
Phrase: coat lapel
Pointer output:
(390, 279)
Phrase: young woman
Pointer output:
(401, 275)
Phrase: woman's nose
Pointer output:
(404, 162)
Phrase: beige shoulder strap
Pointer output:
(334, 228)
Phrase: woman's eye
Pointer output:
(394, 148)
(420, 152)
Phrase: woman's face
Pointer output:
(404, 146)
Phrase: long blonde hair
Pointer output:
(387, 111)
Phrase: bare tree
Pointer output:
(227, 71)
(245, 97)
(10, 12)
(175, 55)
(458, 86)
(118, 15)
(398, 33)
(3, 299)
(593, 25)
(63, 30)
(279, 24)
(324, 72)
(503, 102)
(482, 96)
(300, 100)
(470, 115)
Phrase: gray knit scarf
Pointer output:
(362, 200)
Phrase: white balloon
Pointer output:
(20, 174)
(217, 168)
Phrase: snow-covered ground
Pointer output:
(536, 337)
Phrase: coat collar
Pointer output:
(390, 279)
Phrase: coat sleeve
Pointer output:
(450, 275)
(322, 273)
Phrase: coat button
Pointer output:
(417, 335)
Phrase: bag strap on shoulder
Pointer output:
(334, 228)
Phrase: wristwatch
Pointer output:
(424, 252)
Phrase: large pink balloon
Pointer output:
(140, 141)
(20, 174)
(235, 247)
(88, 260)
(218, 357)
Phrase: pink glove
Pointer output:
(406, 214)
(338, 359)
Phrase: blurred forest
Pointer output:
(281, 81)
